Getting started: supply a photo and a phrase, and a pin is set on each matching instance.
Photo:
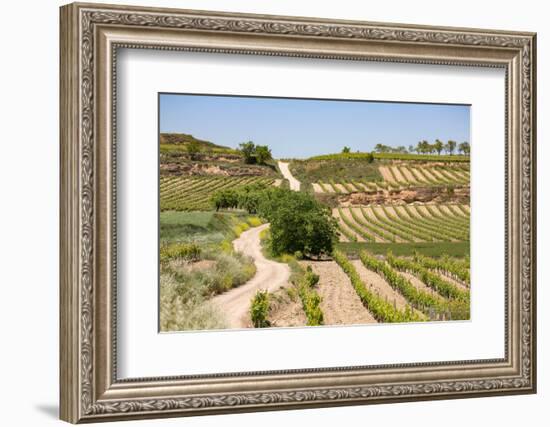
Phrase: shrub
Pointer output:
(239, 228)
(186, 251)
(259, 309)
(305, 282)
(231, 270)
(182, 307)
(254, 221)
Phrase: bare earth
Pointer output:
(270, 275)
(340, 304)
(285, 311)
(294, 183)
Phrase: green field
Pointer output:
(434, 250)
(312, 171)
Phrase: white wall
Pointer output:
(29, 169)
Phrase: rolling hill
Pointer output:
(170, 142)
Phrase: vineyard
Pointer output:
(397, 177)
(397, 289)
(394, 156)
(403, 223)
(193, 193)
(362, 238)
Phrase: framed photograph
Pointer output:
(266, 213)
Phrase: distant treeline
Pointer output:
(422, 151)
(424, 147)
(393, 156)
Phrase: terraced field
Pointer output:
(400, 289)
(399, 176)
(404, 223)
(193, 193)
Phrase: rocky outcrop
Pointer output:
(200, 169)
(410, 195)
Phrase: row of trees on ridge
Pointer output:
(424, 147)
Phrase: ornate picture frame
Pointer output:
(90, 37)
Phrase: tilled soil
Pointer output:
(286, 311)
(340, 304)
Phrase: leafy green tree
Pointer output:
(438, 145)
(423, 147)
(193, 148)
(225, 199)
(297, 222)
(450, 147)
(263, 154)
(248, 150)
(464, 148)
(346, 149)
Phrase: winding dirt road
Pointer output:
(294, 183)
(270, 275)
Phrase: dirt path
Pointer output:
(340, 305)
(270, 275)
(294, 183)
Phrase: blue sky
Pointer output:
(305, 127)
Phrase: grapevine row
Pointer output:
(434, 281)
(382, 310)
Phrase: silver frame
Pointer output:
(90, 37)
